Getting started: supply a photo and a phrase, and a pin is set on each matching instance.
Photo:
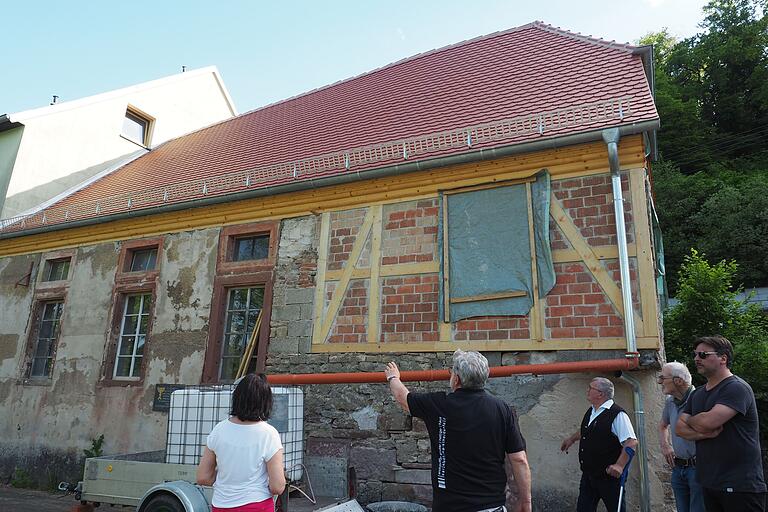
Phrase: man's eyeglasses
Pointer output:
(661, 378)
(703, 355)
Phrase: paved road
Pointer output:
(25, 500)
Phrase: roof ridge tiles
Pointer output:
(587, 39)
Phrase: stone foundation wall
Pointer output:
(359, 429)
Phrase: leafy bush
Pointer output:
(96, 449)
(709, 305)
(22, 479)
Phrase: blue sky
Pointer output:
(270, 51)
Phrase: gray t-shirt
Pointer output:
(683, 448)
(731, 461)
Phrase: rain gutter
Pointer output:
(392, 170)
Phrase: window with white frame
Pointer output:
(243, 307)
(133, 335)
(137, 126)
(46, 336)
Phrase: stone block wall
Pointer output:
(358, 429)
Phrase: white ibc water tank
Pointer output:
(195, 411)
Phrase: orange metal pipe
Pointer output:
(630, 362)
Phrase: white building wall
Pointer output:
(67, 138)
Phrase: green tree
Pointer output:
(708, 304)
(724, 71)
(682, 129)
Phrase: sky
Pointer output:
(269, 51)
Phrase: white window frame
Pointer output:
(144, 308)
(227, 311)
(53, 340)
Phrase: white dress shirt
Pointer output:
(621, 426)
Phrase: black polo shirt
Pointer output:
(470, 433)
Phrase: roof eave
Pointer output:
(6, 123)
(391, 170)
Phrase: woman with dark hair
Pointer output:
(243, 459)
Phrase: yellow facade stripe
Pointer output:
(322, 265)
(491, 346)
(567, 161)
(374, 284)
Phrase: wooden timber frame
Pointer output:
(592, 257)
(567, 162)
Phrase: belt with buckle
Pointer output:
(685, 463)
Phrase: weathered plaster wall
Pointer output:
(15, 301)
(293, 288)
(49, 423)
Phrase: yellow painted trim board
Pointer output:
(536, 315)
(399, 269)
(572, 160)
(374, 282)
(322, 265)
(646, 273)
(489, 346)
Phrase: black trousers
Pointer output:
(592, 489)
(721, 501)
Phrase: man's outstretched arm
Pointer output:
(521, 472)
(398, 389)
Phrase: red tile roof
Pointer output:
(515, 75)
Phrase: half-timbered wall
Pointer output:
(379, 283)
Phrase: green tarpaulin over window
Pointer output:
(489, 250)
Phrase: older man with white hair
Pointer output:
(675, 380)
(605, 432)
(472, 434)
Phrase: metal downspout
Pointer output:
(637, 394)
(611, 138)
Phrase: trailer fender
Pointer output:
(190, 496)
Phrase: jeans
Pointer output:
(689, 496)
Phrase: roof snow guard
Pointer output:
(330, 164)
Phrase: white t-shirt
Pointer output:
(241, 455)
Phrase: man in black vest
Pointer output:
(605, 432)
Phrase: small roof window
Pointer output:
(137, 126)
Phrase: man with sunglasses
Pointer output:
(675, 380)
(721, 417)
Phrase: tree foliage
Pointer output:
(711, 184)
(708, 304)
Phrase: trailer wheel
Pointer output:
(164, 503)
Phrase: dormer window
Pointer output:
(137, 126)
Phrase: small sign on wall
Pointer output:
(162, 400)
